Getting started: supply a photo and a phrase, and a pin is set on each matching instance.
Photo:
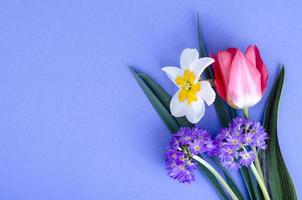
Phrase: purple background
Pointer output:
(75, 124)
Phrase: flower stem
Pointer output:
(257, 163)
(246, 112)
(260, 182)
(217, 175)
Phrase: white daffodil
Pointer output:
(189, 100)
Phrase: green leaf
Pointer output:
(277, 177)
(164, 98)
(251, 184)
(232, 184)
(163, 112)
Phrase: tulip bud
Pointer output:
(240, 79)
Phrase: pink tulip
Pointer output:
(240, 79)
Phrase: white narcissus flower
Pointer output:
(189, 99)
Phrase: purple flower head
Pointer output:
(249, 139)
(185, 143)
(197, 147)
(235, 143)
(227, 152)
(246, 158)
(223, 133)
(211, 147)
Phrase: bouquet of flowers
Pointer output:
(231, 81)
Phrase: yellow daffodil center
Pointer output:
(188, 87)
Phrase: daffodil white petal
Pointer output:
(173, 72)
(177, 108)
(195, 110)
(206, 92)
(187, 57)
(199, 65)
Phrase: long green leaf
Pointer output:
(160, 101)
(233, 185)
(164, 97)
(252, 185)
(274, 169)
(157, 104)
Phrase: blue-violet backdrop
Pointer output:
(74, 123)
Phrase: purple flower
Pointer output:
(238, 122)
(246, 158)
(197, 147)
(223, 133)
(260, 142)
(211, 147)
(227, 152)
(234, 143)
(185, 135)
(230, 164)
(249, 139)
(185, 143)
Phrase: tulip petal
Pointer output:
(187, 57)
(232, 51)
(222, 71)
(199, 65)
(173, 72)
(207, 93)
(177, 108)
(252, 53)
(225, 60)
(195, 110)
(244, 88)
(219, 84)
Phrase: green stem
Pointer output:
(257, 163)
(246, 112)
(217, 175)
(260, 182)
